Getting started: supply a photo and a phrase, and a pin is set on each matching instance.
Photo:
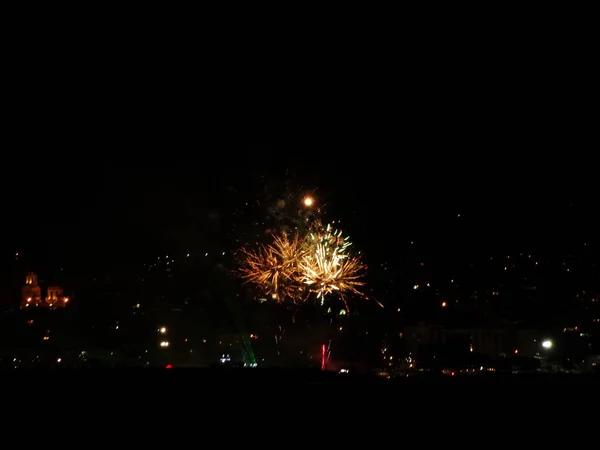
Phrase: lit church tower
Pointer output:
(55, 297)
(31, 293)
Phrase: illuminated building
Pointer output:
(55, 298)
(31, 295)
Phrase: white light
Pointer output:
(547, 344)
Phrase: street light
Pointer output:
(547, 344)
(309, 201)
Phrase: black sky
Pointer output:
(114, 157)
(109, 210)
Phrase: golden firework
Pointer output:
(274, 268)
(327, 271)
(291, 269)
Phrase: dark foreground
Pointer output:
(225, 380)
(233, 377)
(289, 400)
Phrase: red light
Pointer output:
(452, 374)
(170, 366)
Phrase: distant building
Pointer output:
(55, 297)
(31, 295)
(493, 341)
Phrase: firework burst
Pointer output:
(273, 269)
(319, 263)
(327, 270)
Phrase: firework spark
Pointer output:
(319, 263)
(331, 239)
(327, 272)
(274, 268)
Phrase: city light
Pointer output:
(547, 344)
(309, 201)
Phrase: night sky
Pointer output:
(119, 150)
(460, 158)
(401, 204)
(457, 157)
